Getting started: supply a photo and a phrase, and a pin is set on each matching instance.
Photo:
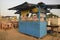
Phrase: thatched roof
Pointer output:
(28, 6)
(51, 15)
(24, 6)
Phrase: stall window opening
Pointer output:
(42, 17)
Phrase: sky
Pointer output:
(6, 4)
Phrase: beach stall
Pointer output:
(32, 19)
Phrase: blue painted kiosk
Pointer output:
(32, 19)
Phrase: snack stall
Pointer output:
(32, 19)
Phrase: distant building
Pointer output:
(52, 15)
(8, 18)
(52, 19)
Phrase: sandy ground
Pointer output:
(13, 34)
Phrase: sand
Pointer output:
(13, 34)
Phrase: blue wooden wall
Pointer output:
(37, 29)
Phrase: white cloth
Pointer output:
(29, 15)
